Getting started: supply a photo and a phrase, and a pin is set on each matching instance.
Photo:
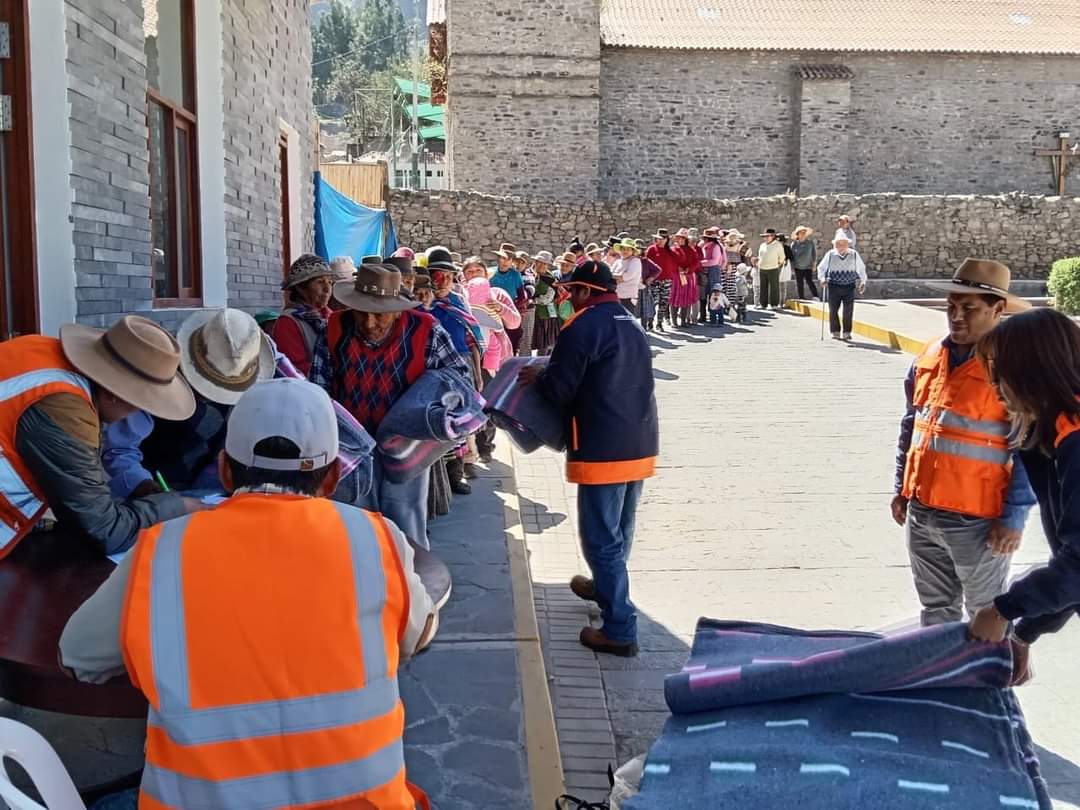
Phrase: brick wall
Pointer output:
(899, 236)
(523, 96)
(824, 138)
(267, 71)
(109, 158)
(728, 124)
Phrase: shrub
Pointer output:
(1064, 285)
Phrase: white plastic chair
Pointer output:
(33, 752)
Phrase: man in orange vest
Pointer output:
(961, 492)
(54, 397)
(266, 633)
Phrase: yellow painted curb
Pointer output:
(879, 333)
(546, 780)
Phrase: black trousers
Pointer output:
(841, 296)
(803, 277)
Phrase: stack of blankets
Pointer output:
(529, 419)
(432, 417)
(768, 717)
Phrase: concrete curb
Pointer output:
(889, 337)
(546, 778)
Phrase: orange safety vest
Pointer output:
(265, 637)
(31, 368)
(959, 459)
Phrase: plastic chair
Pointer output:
(33, 752)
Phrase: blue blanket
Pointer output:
(432, 417)
(770, 717)
(522, 411)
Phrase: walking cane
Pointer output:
(824, 292)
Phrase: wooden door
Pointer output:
(18, 255)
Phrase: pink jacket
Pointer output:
(480, 293)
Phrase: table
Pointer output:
(42, 582)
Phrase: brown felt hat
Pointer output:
(377, 288)
(506, 250)
(982, 277)
(137, 360)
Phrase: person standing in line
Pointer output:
(843, 223)
(600, 377)
(509, 279)
(804, 260)
(1033, 360)
(661, 252)
(771, 259)
(309, 285)
(713, 258)
(961, 493)
(842, 273)
(627, 274)
(684, 293)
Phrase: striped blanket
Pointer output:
(529, 419)
(770, 717)
(432, 417)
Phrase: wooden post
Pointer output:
(1059, 158)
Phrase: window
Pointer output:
(171, 121)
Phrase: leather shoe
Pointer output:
(460, 487)
(596, 641)
(470, 470)
(583, 588)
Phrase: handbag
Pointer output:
(785, 273)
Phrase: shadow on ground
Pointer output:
(1062, 776)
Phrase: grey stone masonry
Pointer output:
(267, 77)
(523, 96)
(106, 93)
(899, 236)
(824, 141)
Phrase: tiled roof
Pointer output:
(822, 73)
(951, 26)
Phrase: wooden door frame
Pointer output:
(15, 73)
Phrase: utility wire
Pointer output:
(404, 32)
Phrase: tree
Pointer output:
(335, 35)
(383, 35)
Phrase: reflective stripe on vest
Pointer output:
(951, 419)
(186, 725)
(952, 447)
(14, 386)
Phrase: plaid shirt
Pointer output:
(368, 379)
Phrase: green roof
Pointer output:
(423, 90)
(435, 133)
(434, 112)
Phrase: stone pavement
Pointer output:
(465, 736)
(770, 504)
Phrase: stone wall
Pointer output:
(899, 236)
(267, 79)
(523, 96)
(690, 123)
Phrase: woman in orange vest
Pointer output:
(1033, 360)
(266, 633)
(54, 396)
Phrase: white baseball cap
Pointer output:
(290, 409)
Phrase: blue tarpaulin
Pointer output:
(344, 227)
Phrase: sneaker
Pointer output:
(583, 588)
(485, 456)
(836, 336)
(460, 488)
(596, 641)
(846, 336)
(470, 470)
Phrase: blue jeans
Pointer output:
(126, 800)
(606, 516)
(716, 317)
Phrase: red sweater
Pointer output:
(666, 257)
(689, 258)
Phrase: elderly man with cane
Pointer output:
(842, 273)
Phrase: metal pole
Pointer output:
(415, 102)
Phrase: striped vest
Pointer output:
(31, 368)
(265, 635)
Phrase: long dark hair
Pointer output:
(1034, 361)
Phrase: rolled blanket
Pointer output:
(436, 413)
(523, 412)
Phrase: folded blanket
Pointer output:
(529, 419)
(435, 414)
(767, 717)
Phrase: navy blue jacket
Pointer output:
(1046, 599)
(600, 375)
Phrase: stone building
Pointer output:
(159, 157)
(614, 98)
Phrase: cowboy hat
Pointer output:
(522, 255)
(661, 233)
(844, 217)
(576, 246)
(544, 257)
(377, 288)
(807, 228)
(506, 250)
(769, 232)
(223, 352)
(594, 275)
(305, 268)
(342, 268)
(423, 282)
(683, 232)
(840, 236)
(404, 264)
(592, 247)
(982, 277)
(735, 232)
(407, 252)
(626, 244)
(137, 360)
(713, 233)
(566, 258)
(440, 258)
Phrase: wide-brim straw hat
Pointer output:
(136, 360)
(982, 277)
(592, 247)
(800, 228)
(223, 353)
(377, 288)
(506, 250)
(544, 257)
